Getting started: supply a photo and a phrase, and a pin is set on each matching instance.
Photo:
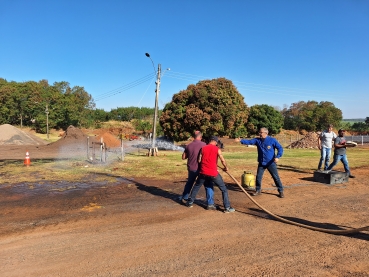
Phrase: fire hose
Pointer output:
(330, 231)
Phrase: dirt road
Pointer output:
(137, 228)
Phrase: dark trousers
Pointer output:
(273, 171)
(217, 180)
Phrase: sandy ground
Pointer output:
(137, 228)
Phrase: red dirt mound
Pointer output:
(309, 141)
(72, 135)
(109, 139)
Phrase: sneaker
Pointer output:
(281, 194)
(351, 176)
(211, 207)
(189, 204)
(258, 192)
(229, 210)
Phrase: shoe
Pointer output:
(182, 200)
(258, 192)
(229, 210)
(351, 176)
(211, 207)
(281, 194)
(189, 204)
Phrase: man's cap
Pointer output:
(215, 138)
(341, 130)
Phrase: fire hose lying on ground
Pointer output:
(330, 231)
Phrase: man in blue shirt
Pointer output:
(267, 158)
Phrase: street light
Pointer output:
(154, 151)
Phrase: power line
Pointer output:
(246, 85)
(125, 87)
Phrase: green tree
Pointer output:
(360, 127)
(142, 125)
(264, 116)
(129, 113)
(311, 116)
(214, 107)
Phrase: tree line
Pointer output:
(32, 104)
(212, 106)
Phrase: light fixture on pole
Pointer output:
(154, 151)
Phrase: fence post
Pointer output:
(122, 149)
(88, 156)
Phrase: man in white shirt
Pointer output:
(325, 146)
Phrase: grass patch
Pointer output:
(167, 166)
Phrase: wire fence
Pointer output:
(288, 139)
(358, 139)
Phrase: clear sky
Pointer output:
(276, 52)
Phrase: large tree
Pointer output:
(311, 116)
(264, 116)
(214, 107)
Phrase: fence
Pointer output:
(288, 139)
(358, 139)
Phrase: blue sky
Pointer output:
(275, 52)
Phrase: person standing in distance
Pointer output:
(208, 160)
(340, 153)
(325, 146)
(267, 158)
(191, 153)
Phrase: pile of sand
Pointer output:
(10, 135)
(310, 141)
(110, 140)
(72, 135)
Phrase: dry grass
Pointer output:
(167, 166)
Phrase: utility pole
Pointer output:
(47, 121)
(156, 109)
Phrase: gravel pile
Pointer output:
(10, 135)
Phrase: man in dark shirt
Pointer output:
(340, 153)
(191, 153)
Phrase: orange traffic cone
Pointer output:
(27, 160)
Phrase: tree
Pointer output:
(214, 107)
(311, 116)
(264, 116)
(367, 120)
(142, 125)
(360, 127)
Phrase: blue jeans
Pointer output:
(218, 181)
(343, 159)
(325, 156)
(272, 168)
(209, 190)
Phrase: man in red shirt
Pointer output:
(208, 159)
(191, 153)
